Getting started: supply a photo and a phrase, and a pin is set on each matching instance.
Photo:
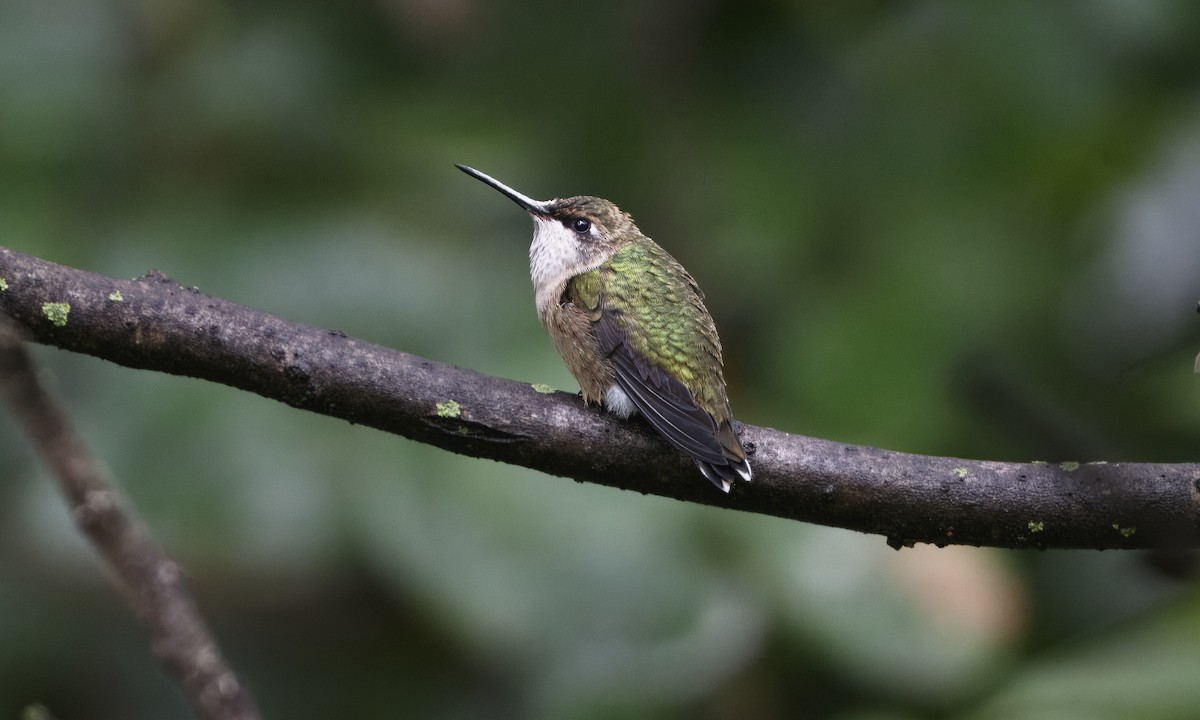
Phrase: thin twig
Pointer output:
(153, 323)
(153, 584)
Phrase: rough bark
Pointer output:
(156, 324)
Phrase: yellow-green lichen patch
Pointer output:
(542, 388)
(1069, 466)
(115, 296)
(1126, 532)
(3, 284)
(961, 472)
(449, 409)
(1036, 526)
(56, 313)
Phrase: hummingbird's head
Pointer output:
(570, 235)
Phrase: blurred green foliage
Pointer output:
(951, 228)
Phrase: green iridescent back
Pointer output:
(661, 311)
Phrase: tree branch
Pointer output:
(153, 323)
(153, 583)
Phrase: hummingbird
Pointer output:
(631, 326)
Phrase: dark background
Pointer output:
(948, 228)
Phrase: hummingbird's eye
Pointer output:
(581, 225)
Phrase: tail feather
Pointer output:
(735, 466)
(724, 475)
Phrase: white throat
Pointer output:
(555, 255)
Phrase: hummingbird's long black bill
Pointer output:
(526, 202)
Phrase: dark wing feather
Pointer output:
(665, 402)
